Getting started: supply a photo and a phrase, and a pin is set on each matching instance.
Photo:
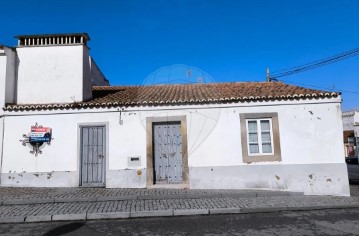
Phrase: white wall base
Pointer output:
(41, 179)
(128, 178)
(312, 179)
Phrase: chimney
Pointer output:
(53, 39)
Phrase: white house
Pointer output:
(63, 125)
(351, 133)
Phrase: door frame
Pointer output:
(150, 178)
(79, 148)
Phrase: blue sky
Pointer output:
(231, 40)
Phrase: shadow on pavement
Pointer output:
(64, 229)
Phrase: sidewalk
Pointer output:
(56, 204)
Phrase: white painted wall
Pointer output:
(3, 60)
(10, 87)
(86, 80)
(310, 136)
(98, 78)
(348, 120)
(7, 76)
(7, 85)
(50, 74)
(351, 122)
(2, 94)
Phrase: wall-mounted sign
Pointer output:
(37, 138)
(40, 134)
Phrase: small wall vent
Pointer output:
(134, 161)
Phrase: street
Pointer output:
(320, 222)
(354, 189)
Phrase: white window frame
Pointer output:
(259, 133)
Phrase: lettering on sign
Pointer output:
(38, 137)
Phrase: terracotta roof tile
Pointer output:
(176, 94)
(194, 93)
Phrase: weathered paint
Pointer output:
(55, 74)
(167, 148)
(50, 74)
(312, 179)
(126, 178)
(310, 136)
(40, 179)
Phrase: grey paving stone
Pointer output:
(62, 217)
(14, 201)
(108, 215)
(17, 195)
(151, 213)
(244, 194)
(28, 201)
(224, 211)
(187, 212)
(38, 218)
(117, 203)
(116, 198)
(79, 199)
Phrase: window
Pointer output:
(260, 137)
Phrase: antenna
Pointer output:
(268, 78)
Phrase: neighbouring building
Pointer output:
(62, 125)
(351, 132)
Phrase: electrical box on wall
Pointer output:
(134, 161)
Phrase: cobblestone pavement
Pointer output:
(82, 203)
(9, 195)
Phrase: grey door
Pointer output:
(167, 146)
(93, 146)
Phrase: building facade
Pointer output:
(64, 126)
(351, 132)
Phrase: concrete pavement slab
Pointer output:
(156, 213)
(108, 215)
(38, 218)
(14, 219)
(188, 212)
(224, 211)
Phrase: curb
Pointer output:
(162, 213)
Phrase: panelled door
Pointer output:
(93, 147)
(167, 147)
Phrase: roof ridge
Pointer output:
(186, 84)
